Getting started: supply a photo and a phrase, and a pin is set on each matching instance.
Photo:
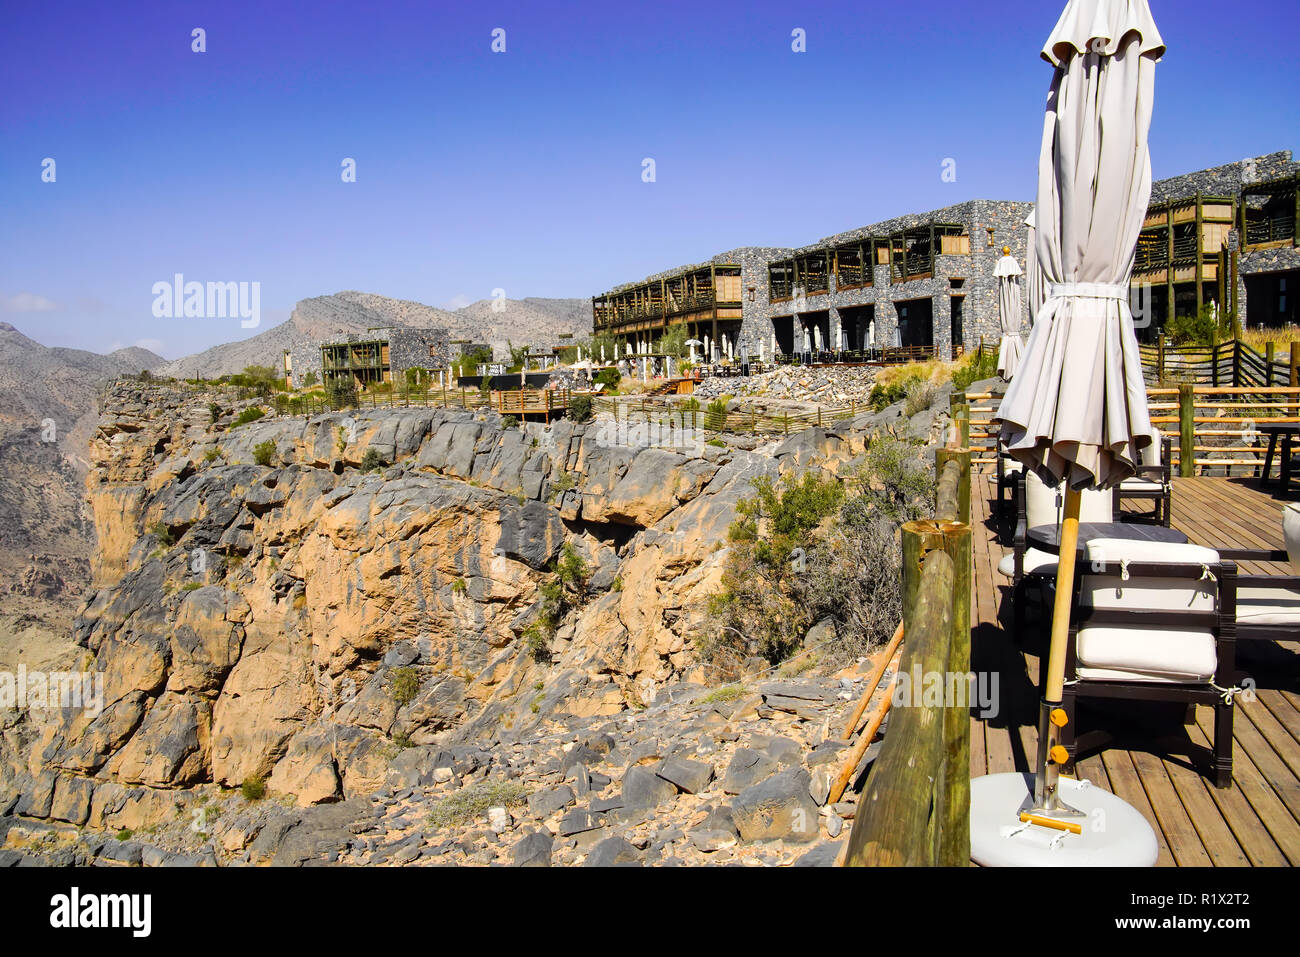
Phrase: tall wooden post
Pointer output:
(1187, 429)
(1270, 349)
(1295, 364)
(895, 825)
(959, 509)
(1160, 359)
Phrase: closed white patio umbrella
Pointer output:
(1008, 275)
(1077, 410)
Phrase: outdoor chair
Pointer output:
(1268, 606)
(1040, 504)
(1154, 621)
(1153, 482)
(1009, 472)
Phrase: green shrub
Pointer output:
(883, 396)
(405, 686)
(564, 483)
(211, 455)
(264, 452)
(572, 569)
(977, 366)
(537, 638)
(806, 548)
(342, 393)
(251, 414)
(580, 408)
(716, 443)
(470, 803)
(715, 415)
(458, 587)
(253, 788)
(1199, 329)
(610, 378)
(161, 532)
(920, 396)
(371, 461)
(214, 411)
(509, 422)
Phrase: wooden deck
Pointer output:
(1254, 822)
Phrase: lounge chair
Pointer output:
(1153, 482)
(1154, 621)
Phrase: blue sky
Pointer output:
(522, 170)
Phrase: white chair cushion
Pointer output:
(1142, 485)
(1151, 454)
(1011, 467)
(1148, 653)
(1036, 563)
(1154, 594)
(1170, 655)
(1042, 508)
(1268, 606)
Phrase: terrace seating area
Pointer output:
(1218, 782)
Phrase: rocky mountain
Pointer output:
(47, 411)
(533, 321)
(39, 383)
(370, 645)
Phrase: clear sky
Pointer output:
(522, 170)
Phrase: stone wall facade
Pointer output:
(978, 287)
(408, 347)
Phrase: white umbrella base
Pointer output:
(1114, 834)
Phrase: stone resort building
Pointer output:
(925, 283)
(376, 355)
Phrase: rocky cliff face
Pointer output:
(266, 621)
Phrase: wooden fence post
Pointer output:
(962, 456)
(899, 830)
(1295, 364)
(1269, 350)
(962, 421)
(1186, 430)
(1160, 359)
(952, 799)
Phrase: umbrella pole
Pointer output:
(1051, 716)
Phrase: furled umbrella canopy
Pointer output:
(1035, 285)
(1008, 275)
(1086, 419)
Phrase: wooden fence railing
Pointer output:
(532, 401)
(1231, 364)
(915, 807)
(751, 420)
(1211, 428)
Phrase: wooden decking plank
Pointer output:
(1217, 837)
(1282, 709)
(1184, 841)
(979, 762)
(1270, 763)
(1278, 737)
(1246, 826)
(1126, 785)
(1272, 813)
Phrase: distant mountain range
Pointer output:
(39, 382)
(536, 322)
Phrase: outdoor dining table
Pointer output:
(1286, 431)
(1047, 538)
